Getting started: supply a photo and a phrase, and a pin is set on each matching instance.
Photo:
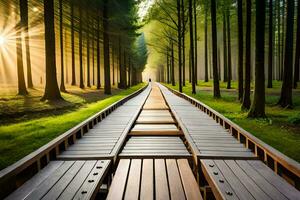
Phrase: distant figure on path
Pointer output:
(149, 80)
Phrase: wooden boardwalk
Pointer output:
(157, 145)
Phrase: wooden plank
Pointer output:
(175, 186)
(219, 185)
(255, 190)
(64, 181)
(191, 188)
(93, 181)
(32, 183)
(133, 182)
(47, 184)
(161, 182)
(147, 182)
(118, 185)
(227, 155)
(238, 187)
(285, 188)
(268, 188)
(77, 182)
(155, 120)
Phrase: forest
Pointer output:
(63, 60)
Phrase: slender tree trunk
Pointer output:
(282, 39)
(229, 50)
(287, 84)
(129, 71)
(24, 24)
(121, 85)
(270, 62)
(205, 44)
(297, 53)
(81, 84)
(73, 44)
(279, 39)
(246, 98)
(240, 49)
(196, 41)
(179, 45)
(88, 70)
(192, 59)
(20, 68)
(51, 88)
(107, 85)
(168, 68)
(93, 52)
(258, 105)
(183, 42)
(172, 65)
(62, 80)
(98, 53)
(214, 49)
(113, 64)
(124, 71)
(225, 55)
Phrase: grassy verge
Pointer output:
(19, 139)
(280, 130)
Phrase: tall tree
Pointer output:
(62, 80)
(192, 48)
(24, 24)
(196, 41)
(88, 67)
(297, 53)
(107, 86)
(217, 93)
(229, 48)
(225, 55)
(183, 40)
(270, 60)
(287, 84)
(98, 51)
(246, 97)
(205, 42)
(258, 105)
(20, 70)
(172, 64)
(73, 82)
(240, 48)
(51, 88)
(81, 84)
(179, 23)
(113, 64)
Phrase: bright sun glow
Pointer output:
(2, 40)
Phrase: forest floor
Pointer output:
(26, 123)
(281, 128)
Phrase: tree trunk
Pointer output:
(205, 44)
(270, 62)
(225, 55)
(81, 84)
(88, 78)
(258, 105)
(172, 64)
(73, 44)
(20, 68)
(24, 24)
(113, 64)
(283, 36)
(279, 39)
(51, 88)
(168, 68)
(196, 40)
(93, 52)
(124, 70)
(215, 49)
(98, 53)
(62, 80)
(287, 84)
(192, 59)
(179, 45)
(107, 86)
(183, 42)
(229, 50)
(129, 72)
(121, 70)
(246, 98)
(240, 48)
(297, 54)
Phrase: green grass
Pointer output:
(19, 139)
(280, 130)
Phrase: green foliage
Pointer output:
(140, 52)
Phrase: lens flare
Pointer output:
(2, 40)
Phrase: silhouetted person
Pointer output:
(149, 80)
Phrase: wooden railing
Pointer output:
(16, 174)
(284, 166)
